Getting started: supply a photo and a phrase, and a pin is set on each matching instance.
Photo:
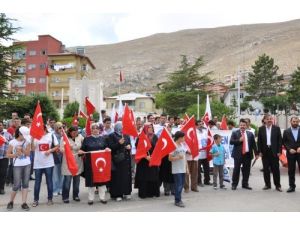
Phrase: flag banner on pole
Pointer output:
(144, 145)
(101, 166)
(71, 161)
(191, 136)
(37, 126)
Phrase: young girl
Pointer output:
(178, 166)
(218, 153)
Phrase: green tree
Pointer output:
(272, 103)
(263, 81)
(6, 53)
(27, 104)
(182, 87)
(71, 109)
(217, 109)
(293, 91)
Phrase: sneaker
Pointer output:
(76, 199)
(223, 187)
(10, 206)
(66, 201)
(25, 207)
(103, 202)
(215, 187)
(55, 194)
(2, 192)
(180, 204)
(50, 202)
(35, 204)
(118, 199)
(90, 202)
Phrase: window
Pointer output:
(55, 93)
(20, 54)
(241, 95)
(42, 80)
(84, 67)
(31, 66)
(32, 93)
(56, 79)
(43, 66)
(31, 80)
(142, 105)
(43, 52)
(21, 70)
(80, 51)
(32, 52)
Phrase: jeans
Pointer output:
(21, 177)
(179, 179)
(67, 186)
(57, 179)
(3, 171)
(38, 179)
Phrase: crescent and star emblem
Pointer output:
(100, 160)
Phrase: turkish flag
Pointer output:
(209, 144)
(71, 161)
(143, 146)
(164, 146)
(44, 147)
(186, 118)
(75, 121)
(83, 115)
(90, 108)
(2, 140)
(37, 126)
(88, 131)
(206, 119)
(223, 125)
(191, 136)
(116, 117)
(101, 165)
(121, 76)
(207, 116)
(128, 123)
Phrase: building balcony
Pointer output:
(63, 71)
(59, 84)
(58, 98)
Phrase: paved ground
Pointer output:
(207, 200)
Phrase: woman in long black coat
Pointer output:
(146, 177)
(120, 184)
(95, 142)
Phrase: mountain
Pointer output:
(146, 62)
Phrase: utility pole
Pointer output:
(238, 94)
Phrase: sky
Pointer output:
(95, 22)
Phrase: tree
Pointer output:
(71, 109)
(263, 81)
(6, 52)
(26, 104)
(234, 102)
(274, 102)
(217, 109)
(293, 91)
(182, 87)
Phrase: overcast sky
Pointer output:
(91, 22)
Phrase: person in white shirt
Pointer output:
(19, 151)
(162, 123)
(44, 163)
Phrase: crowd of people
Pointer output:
(23, 158)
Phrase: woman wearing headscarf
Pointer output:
(120, 184)
(147, 178)
(95, 142)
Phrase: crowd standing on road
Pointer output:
(21, 154)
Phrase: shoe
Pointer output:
(2, 192)
(167, 193)
(278, 189)
(76, 199)
(118, 199)
(180, 204)
(59, 193)
(50, 202)
(66, 201)
(127, 197)
(55, 194)
(233, 188)
(223, 187)
(290, 190)
(35, 204)
(31, 178)
(25, 207)
(103, 202)
(215, 187)
(208, 183)
(247, 187)
(195, 190)
(90, 202)
(10, 206)
(266, 187)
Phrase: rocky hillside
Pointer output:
(147, 61)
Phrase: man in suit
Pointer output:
(269, 143)
(291, 141)
(243, 142)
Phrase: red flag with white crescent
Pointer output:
(164, 146)
(88, 123)
(191, 136)
(83, 115)
(37, 126)
(129, 127)
(144, 145)
(101, 166)
(90, 108)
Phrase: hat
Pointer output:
(25, 132)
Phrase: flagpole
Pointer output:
(238, 94)
(62, 103)
(198, 107)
